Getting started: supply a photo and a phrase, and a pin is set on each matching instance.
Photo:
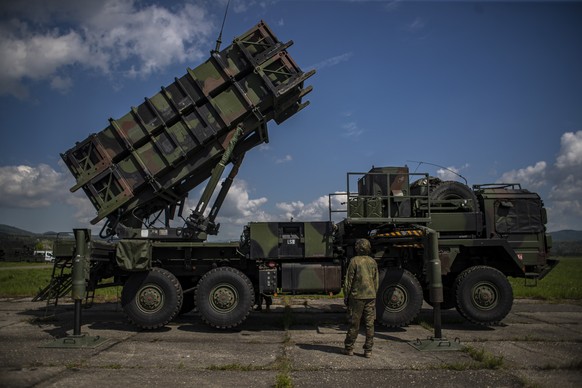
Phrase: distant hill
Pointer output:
(566, 235)
(559, 236)
(12, 231)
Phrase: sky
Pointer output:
(491, 90)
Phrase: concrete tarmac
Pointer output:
(298, 342)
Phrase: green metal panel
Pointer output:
(318, 239)
(264, 240)
(153, 155)
(64, 247)
(456, 222)
(374, 207)
(311, 277)
(356, 207)
(290, 240)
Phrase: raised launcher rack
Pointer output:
(147, 161)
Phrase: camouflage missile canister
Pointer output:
(150, 158)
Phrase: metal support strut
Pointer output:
(438, 342)
(79, 272)
(197, 222)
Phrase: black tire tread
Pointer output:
(247, 284)
(130, 288)
(412, 312)
(507, 300)
(447, 189)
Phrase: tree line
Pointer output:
(567, 248)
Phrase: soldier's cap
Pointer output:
(363, 246)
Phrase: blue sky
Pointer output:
(492, 90)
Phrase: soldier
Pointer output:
(260, 297)
(360, 287)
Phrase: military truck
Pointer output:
(137, 172)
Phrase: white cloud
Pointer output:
(565, 197)
(352, 130)
(451, 173)
(84, 211)
(531, 176)
(571, 150)
(333, 61)
(30, 187)
(61, 84)
(416, 25)
(240, 208)
(285, 159)
(241, 6)
(42, 40)
(569, 188)
(392, 6)
(564, 214)
(35, 187)
(563, 181)
(317, 210)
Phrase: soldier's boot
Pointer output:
(367, 353)
(348, 352)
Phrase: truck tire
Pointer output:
(151, 299)
(224, 297)
(399, 298)
(484, 295)
(449, 190)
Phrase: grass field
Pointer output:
(18, 279)
(27, 281)
(564, 282)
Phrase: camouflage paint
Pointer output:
(518, 216)
(502, 225)
(150, 158)
(271, 240)
(299, 248)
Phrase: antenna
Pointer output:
(219, 40)
(436, 165)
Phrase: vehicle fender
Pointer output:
(498, 251)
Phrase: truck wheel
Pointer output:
(224, 297)
(399, 298)
(151, 299)
(450, 190)
(484, 295)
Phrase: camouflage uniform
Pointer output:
(360, 288)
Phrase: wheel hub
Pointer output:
(150, 299)
(484, 296)
(395, 298)
(224, 298)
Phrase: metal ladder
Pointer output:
(59, 286)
